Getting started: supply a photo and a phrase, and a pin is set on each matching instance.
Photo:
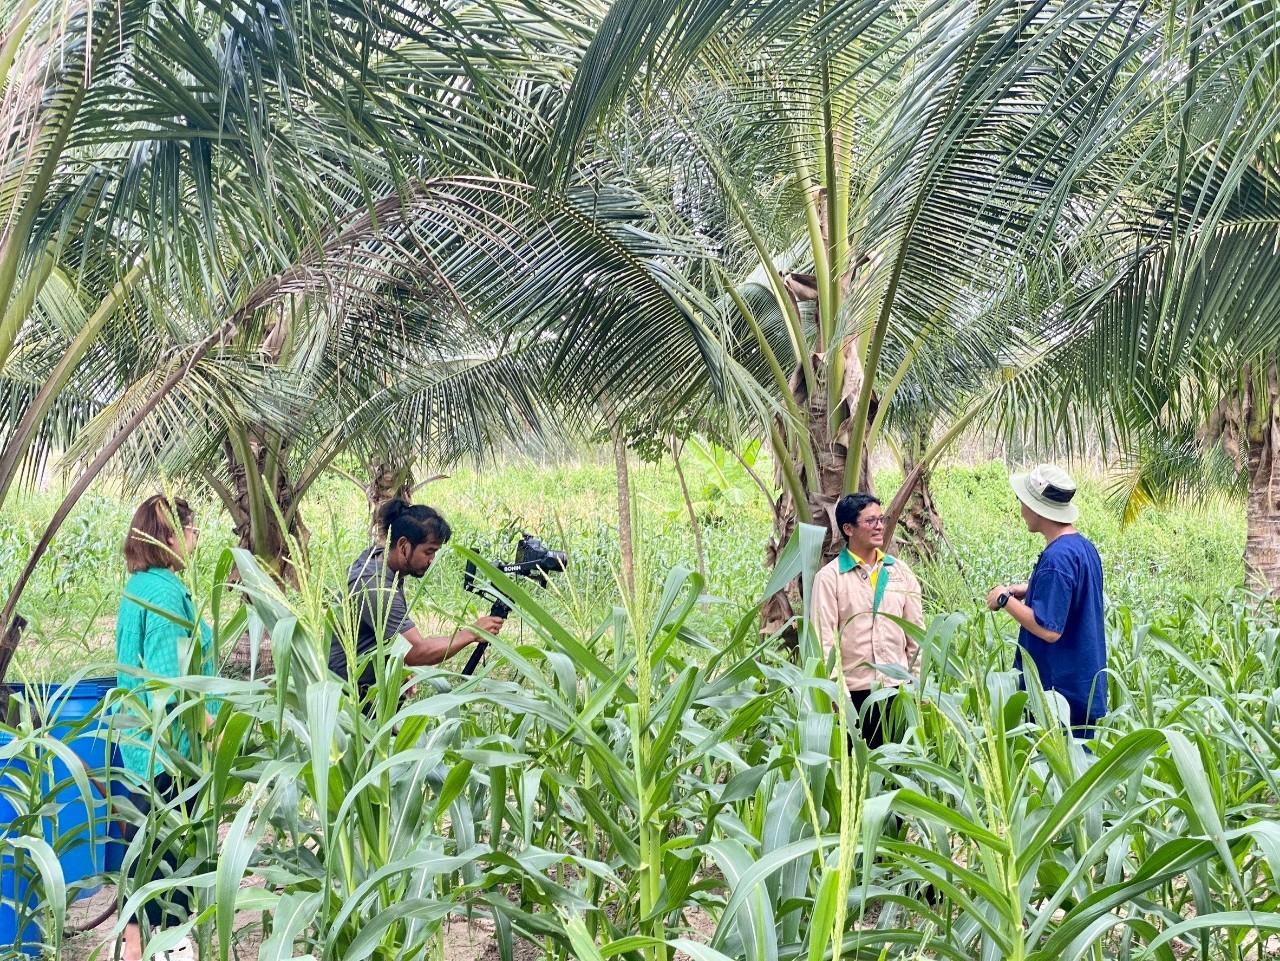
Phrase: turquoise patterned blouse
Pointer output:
(149, 641)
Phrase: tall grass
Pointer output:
(1148, 565)
(1194, 550)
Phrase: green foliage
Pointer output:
(592, 790)
(720, 483)
(1195, 550)
(1148, 563)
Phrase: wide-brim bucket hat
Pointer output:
(1047, 489)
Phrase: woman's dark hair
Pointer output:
(417, 522)
(152, 528)
(850, 507)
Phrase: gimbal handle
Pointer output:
(498, 609)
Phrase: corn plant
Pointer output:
(608, 792)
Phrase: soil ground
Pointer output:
(463, 940)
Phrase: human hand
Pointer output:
(490, 623)
(993, 597)
(471, 635)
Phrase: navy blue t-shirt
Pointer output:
(1065, 593)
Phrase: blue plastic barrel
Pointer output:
(16, 897)
(85, 837)
(78, 832)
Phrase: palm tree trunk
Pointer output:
(822, 479)
(1262, 538)
(386, 482)
(262, 494)
(265, 499)
(831, 454)
(259, 498)
(921, 525)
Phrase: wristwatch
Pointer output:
(1002, 600)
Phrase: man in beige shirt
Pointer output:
(851, 597)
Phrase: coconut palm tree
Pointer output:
(1167, 347)
(194, 153)
(489, 341)
(363, 306)
(1176, 365)
(133, 132)
(891, 175)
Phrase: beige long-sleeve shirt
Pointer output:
(843, 593)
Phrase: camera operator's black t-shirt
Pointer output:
(377, 595)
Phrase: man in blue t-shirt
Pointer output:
(1060, 609)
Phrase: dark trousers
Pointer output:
(876, 723)
(1082, 724)
(157, 912)
(877, 727)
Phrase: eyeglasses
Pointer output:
(191, 528)
(872, 521)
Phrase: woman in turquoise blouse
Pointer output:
(156, 630)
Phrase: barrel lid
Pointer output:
(94, 687)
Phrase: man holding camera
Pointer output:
(414, 535)
(1059, 610)
(855, 600)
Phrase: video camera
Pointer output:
(534, 560)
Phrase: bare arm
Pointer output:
(1025, 616)
(429, 649)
